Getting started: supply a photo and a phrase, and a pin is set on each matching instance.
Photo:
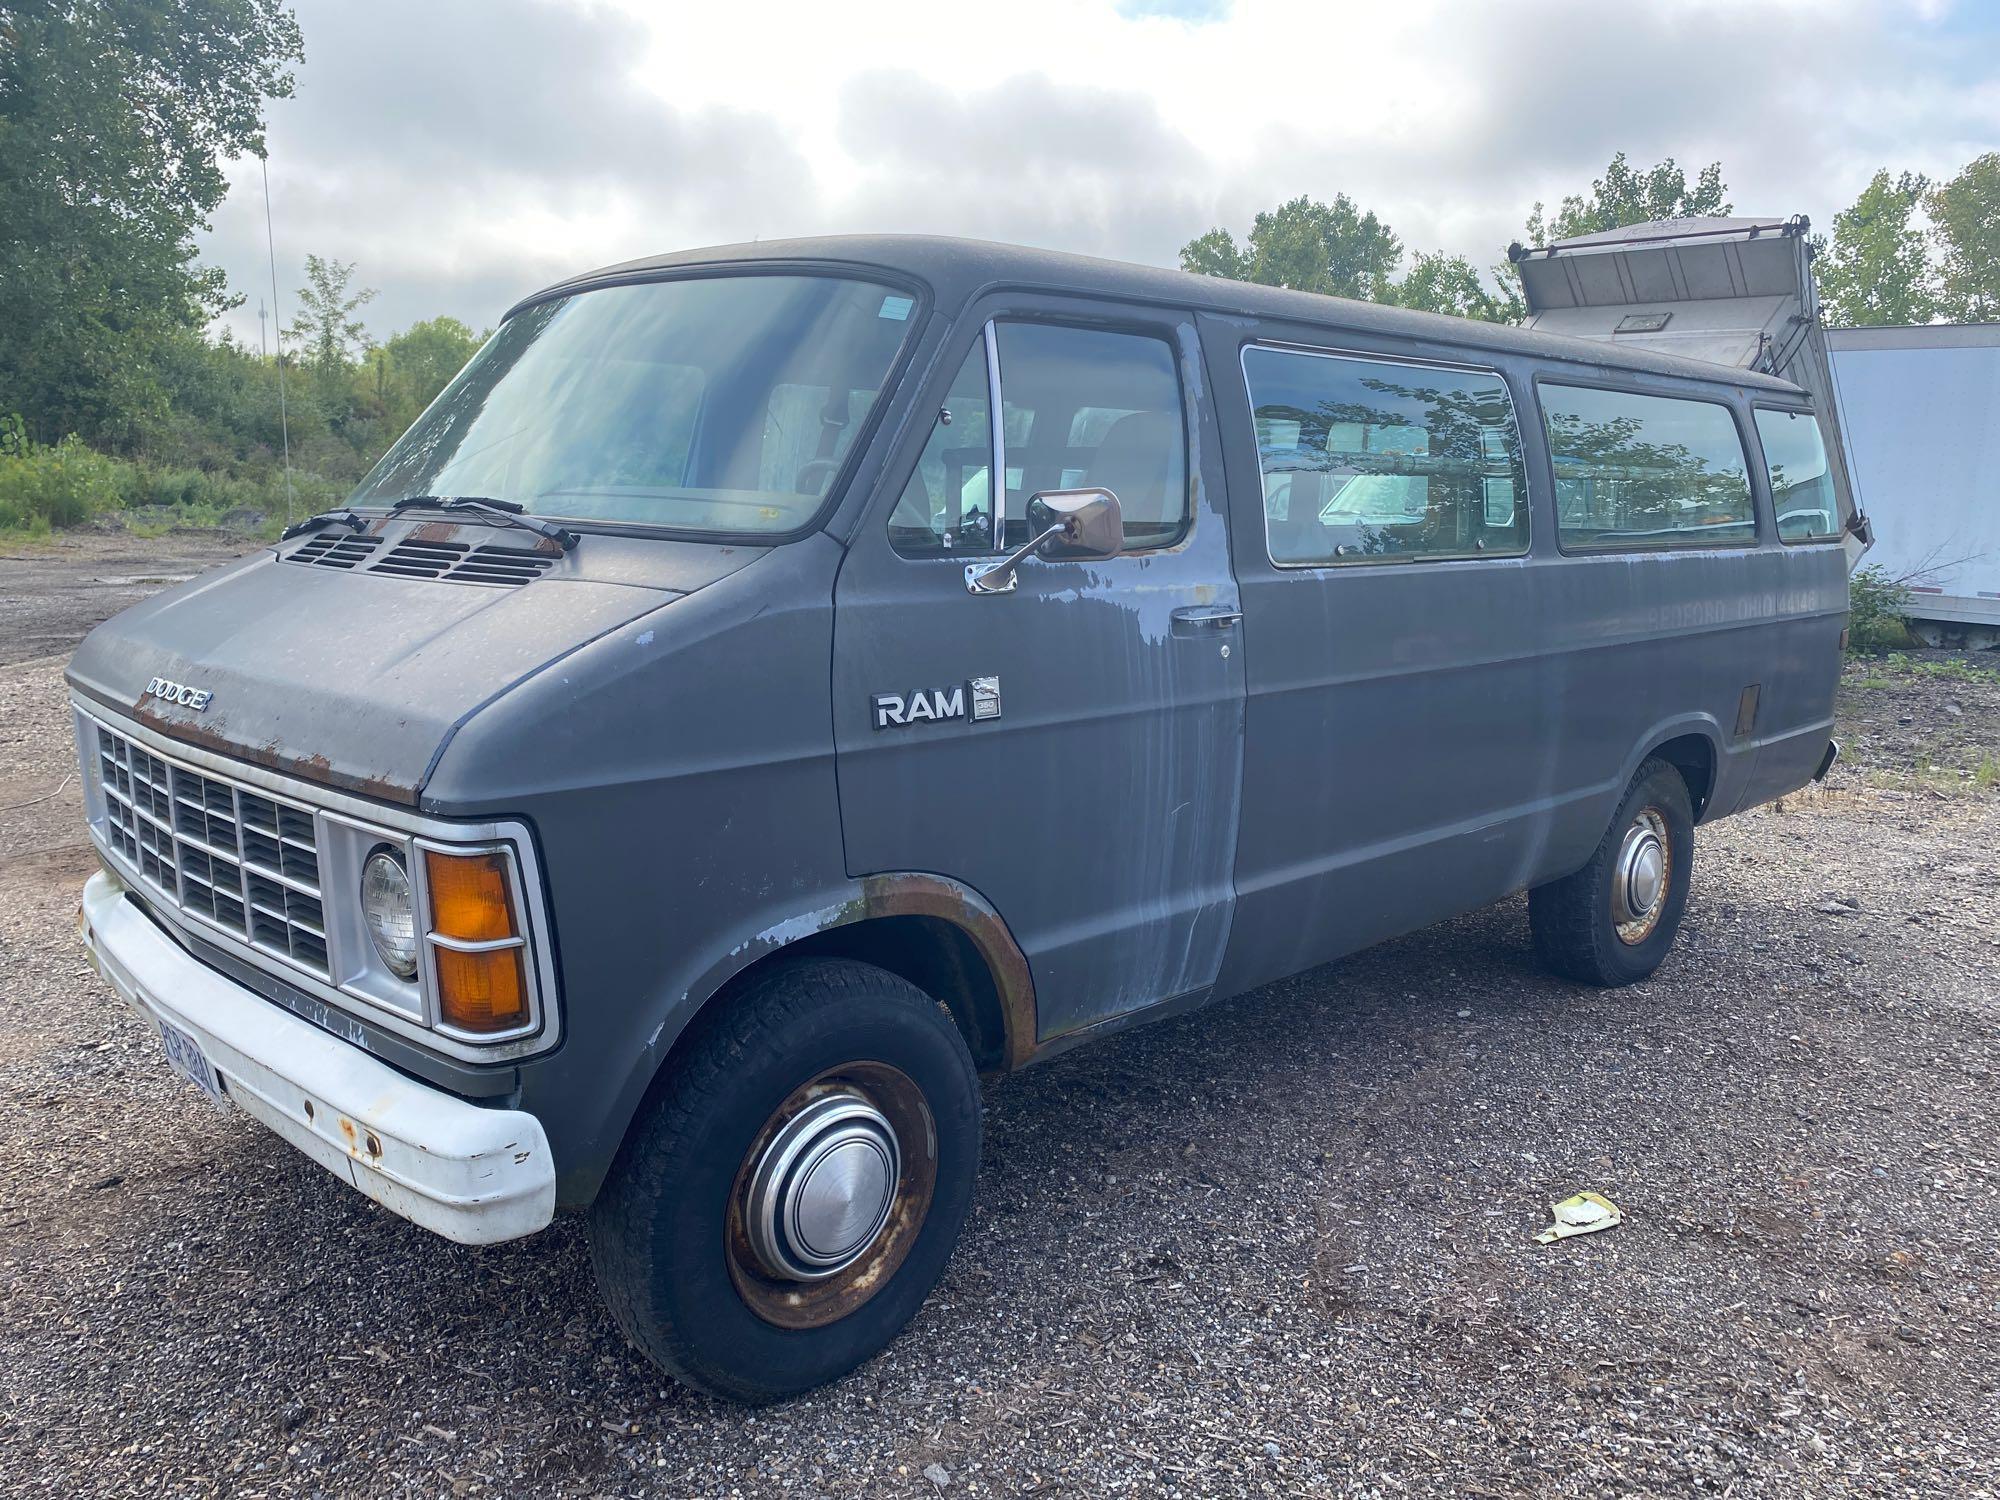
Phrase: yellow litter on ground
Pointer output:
(1586, 1213)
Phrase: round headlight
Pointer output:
(391, 911)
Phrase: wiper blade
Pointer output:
(323, 520)
(457, 502)
(506, 512)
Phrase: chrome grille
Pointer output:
(239, 858)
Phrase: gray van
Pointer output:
(773, 686)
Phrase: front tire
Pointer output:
(795, 1183)
(1612, 922)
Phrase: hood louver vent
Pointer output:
(443, 562)
(501, 565)
(336, 551)
(411, 558)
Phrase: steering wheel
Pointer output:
(814, 477)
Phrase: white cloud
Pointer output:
(464, 153)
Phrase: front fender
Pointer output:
(724, 958)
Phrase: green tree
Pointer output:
(1451, 284)
(1628, 195)
(422, 359)
(1876, 267)
(326, 331)
(1331, 248)
(1215, 254)
(1965, 220)
(114, 118)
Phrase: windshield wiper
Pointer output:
(323, 520)
(506, 512)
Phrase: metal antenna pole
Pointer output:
(278, 331)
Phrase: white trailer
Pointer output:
(1921, 409)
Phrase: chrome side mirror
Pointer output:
(1088, 527)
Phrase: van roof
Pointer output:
(957, 269)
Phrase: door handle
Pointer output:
(1206, 617)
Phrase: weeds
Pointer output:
(1950, 668)
(48, 486)
(1876, 609)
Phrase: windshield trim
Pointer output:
(836, 490)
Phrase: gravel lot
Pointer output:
(1283, 1246)
(53, 591)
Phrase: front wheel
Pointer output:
(795, 1184)
(1612, 922)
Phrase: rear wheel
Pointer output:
(794, 1186)
(1612, 922)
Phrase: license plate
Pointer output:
(185, 1055)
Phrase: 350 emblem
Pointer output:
(178, 692)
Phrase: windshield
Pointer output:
(721, 404)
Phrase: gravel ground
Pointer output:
(1283, 1246)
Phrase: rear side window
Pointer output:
(1637, 471)
(1367, 461)
(1801, 488)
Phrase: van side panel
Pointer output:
(1424, 738)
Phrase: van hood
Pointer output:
(319, 662)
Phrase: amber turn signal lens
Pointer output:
(469, 896)
(483, 991)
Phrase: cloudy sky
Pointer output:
(464, 152)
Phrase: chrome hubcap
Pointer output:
(1640, 877)
(822, 1188)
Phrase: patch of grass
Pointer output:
(1986, 775)
(16, 538)
(1949, 668)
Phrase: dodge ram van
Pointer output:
(773, 686)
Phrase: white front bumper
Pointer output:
(471, 1174)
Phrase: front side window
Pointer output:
(1081, 408)
(1801, 487)
(720, 404)
(1637, 471)
(1086, 408)
(1365, 461)
(947, 505)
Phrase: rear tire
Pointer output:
(794, 1184)
(1612, 922)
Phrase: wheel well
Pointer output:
(1694, 757)
(936, 956)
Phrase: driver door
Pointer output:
(1072, 749)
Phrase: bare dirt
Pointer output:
(53, 591)
(1284, 1246)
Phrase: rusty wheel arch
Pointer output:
(991, 995)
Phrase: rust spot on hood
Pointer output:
(211, 736)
